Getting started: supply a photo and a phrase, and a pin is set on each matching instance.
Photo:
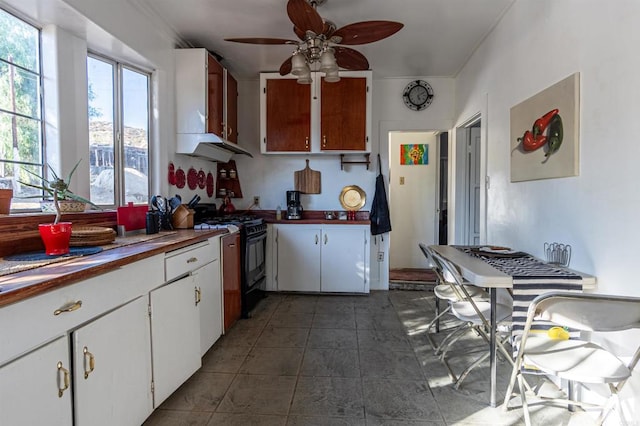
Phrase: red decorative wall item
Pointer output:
(172, 174)
(192, 178)
(180, 178)
(209, 185)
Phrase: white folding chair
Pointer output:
(474, 312)
(576, 360)
(445, 291)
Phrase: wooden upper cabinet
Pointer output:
(317, 118)
(215, 96)
(343, 114)
(231, 123)
(288, 116)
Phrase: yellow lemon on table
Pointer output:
(558, 333)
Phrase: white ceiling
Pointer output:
(437, 39)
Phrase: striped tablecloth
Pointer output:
(531, 278)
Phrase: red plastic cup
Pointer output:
(55, 237)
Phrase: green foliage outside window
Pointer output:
(20, 104)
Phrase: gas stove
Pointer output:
(249, 225)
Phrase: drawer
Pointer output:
(32, 322)
(180, 262)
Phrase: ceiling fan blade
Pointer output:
(285, 68)
(261, 40)
(350, 59)
(304, 16)
(301, 34)
(367, 31)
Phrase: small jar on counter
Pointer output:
(232, 174)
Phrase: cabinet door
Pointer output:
(112, 368)
(231, 110)
(215, 96)
(175, 336)
(231, 279)
(210, 304)
(30, 387)
(298, 258)
(344, 268)
(344, 114)
(288, 116)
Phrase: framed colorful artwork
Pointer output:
(414, 154)
(545, 133)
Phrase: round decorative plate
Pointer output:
(352, 198)
(209, 185)
(192, 178)
(202, 179)
(180, 178)
(172, 174)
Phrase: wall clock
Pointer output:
(418, 95)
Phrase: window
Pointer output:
(21, 133)
(118, 132)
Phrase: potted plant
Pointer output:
(56, 235)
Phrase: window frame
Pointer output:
(41, 106)
(118, 125)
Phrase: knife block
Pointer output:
(182, 218)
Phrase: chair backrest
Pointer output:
(437, 268)
(588, 312)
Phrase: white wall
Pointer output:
(538, 43)
(413, 202)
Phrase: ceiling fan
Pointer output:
(321, 41)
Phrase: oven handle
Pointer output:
(256, 237)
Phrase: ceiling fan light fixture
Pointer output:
(328, 61)
(299, 64)
(305, 77)
(332, 76)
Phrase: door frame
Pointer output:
(458, 229)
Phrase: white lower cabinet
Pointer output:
(324, 258)
(175, 336)
(209, 285)
(112, 368)
(298, 258)
(44, 375)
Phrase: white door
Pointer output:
(210, 306)
(298, 258)
(343, 259)
(112, 368)
(31, 387)
(175, 336)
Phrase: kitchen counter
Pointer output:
(32, 282)
(310, 217)
(319, 222)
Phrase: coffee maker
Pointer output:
(294, 208)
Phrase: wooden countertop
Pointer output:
(319, 222)
(22, 285)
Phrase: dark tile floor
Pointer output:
(318, 360)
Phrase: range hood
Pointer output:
(209, 146)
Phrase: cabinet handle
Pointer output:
(198, 296)
(316, 239)
(324, 141)
(229, 131)
(65, 379)
(92, 362)
(325, 239)
(232, 245)
(192, 259)
(70, 307)
(306, 142)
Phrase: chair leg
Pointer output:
(525, 405)
(437, 319)
(446, 341)
(433, 322)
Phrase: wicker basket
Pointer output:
(91, 236)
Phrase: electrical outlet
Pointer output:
(256, 200)
(401, 180)
(380, 256)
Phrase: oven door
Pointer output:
(255, 260)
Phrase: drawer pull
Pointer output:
(65, 379)
(73, 306)
(198, 295)
(192, 259)
(232, 245)
(316, 239)
(92, 362)
(325, 239)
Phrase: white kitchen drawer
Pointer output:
(33, 321)
(180, 262)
